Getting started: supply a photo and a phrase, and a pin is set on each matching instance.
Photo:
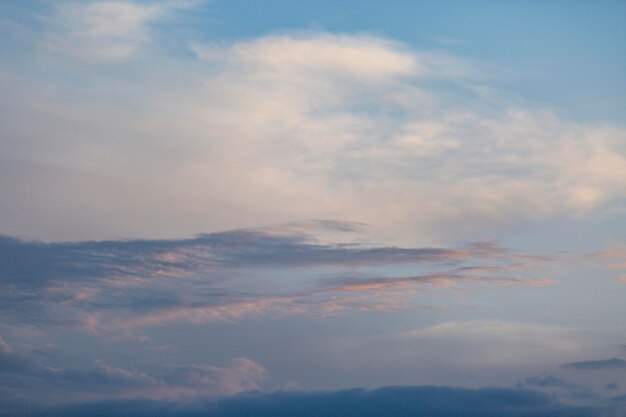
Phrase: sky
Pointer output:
(223, 208)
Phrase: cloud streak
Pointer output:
(614, 363)
(120, 285)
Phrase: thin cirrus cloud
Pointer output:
(117, 286)
(613, 258)
(286, 127)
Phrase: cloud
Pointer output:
(497, 343)
(614, 363)
(562, 390)
(549, 381)
(475, 275)
(258, 132)
(11, 361)
(241, 375)
(396, 401)
(118, 286)
(99, 32)
(613, 258)
(24, 377)
(31, 262)
(299, 56)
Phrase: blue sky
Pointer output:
(218, 206)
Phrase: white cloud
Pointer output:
(322, 131)
(291, 127)
(103, 31)
(492, 343)
(316, 55)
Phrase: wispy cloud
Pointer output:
(500, 343)
(549, 381)
(613, 258)
(120, 285)
(562, 390)
(307, 57)
(614, 363)
(101, 32)
(26, 262)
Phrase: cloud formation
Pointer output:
(498, 343)
(614, 363)
(119, 119)
(115, 286)
(396, 401)
(284, 127)
(613, 258)
(103, 32)
(23, 377)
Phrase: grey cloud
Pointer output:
(11, 362)
(22, 377)
(475, 274)
(24, 262)
(148, 282)
(614, 363)
(256, 248)
(392, 401)
(563, 390)
(620, 399)
(612, 386)
(241, 375)
(549, 381)
(49, 351)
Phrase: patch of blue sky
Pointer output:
(567, 55)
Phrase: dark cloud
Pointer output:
(614, 363)
(549, 381)
(612, 386)
(390, 401)
(561, 389)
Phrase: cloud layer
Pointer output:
(24, 378)
(396, 401)
(127, 126)
(281, 128)
(116, 286)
